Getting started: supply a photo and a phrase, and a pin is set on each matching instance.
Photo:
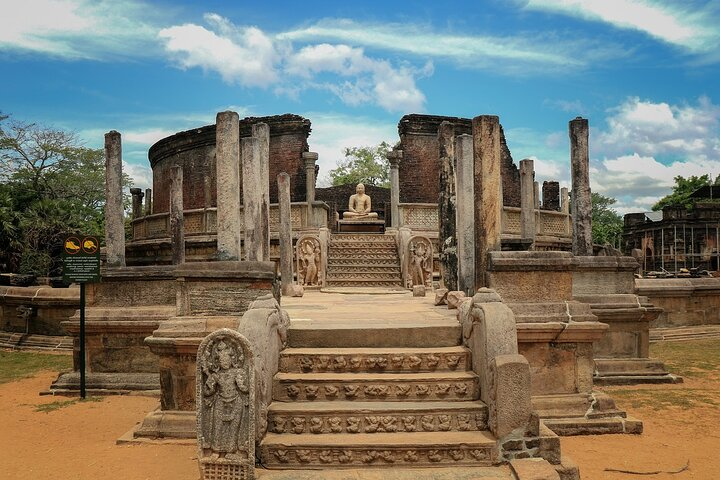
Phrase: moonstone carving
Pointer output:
(226, 407)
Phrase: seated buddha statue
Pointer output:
(359, 206)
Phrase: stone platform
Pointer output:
(361, 226)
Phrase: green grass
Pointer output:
(18, 365)
(690, 358)
(51, 407)
(659, 399)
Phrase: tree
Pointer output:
(682, 190)
(367, 165)
(607, 224)
(51, 186)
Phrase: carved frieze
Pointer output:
(367, 362)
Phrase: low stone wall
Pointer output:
(37, 310)
(685, 301)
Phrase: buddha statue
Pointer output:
(359, 206)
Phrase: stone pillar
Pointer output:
(255, 220)
(137, 198)
(465, 214)
(148, 201)
(527, 204)
(488, 191)
(114, 222)
(261, 131)
(536, 195)
(394, 157)
(565, 200)
(177, 223)
(581, 197)
(551, 196)
(286, 248)
(446, 207)
(310, 158)
(227, 160)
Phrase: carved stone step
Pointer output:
(416, 449)
(376, 417)
(349, 270)
(364, 238)
(391, 387)
(359, 276)
(374, 359)
(355, 262)
(364, 284)
(373, 332)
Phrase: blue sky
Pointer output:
(645, 73)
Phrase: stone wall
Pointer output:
(685, 301)
(338, 196)
(195, 151)
(420, 165)
(44, 309)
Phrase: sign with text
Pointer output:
(81, 259)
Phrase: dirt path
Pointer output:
(77, 441)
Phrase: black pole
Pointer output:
(82, 340)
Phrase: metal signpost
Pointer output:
(81, 264)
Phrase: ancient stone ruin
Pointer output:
(489, 370)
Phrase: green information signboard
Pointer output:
(81, 259)
(81, 264)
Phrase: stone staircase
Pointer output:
(363, 260)
(376, 393)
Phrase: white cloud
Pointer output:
(250, 57)
(243, 55)
(690, 25)
(141, 175)
(501, 53)
(77, 29)
(332, 133)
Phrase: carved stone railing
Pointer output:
(419, 216)
(203, 221)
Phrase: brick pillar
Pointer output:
(551, 196)
(286, 248)
(581, 196)
(394, 157)
(227, 160)
(114, 222)
(177, 222)
(527, 203)
(488, 191)
(465, 214)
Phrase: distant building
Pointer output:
(677, 237)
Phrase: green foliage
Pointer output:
(366, 165)
(607, 225)
(51, 186)
(18, 365)
(682, 190)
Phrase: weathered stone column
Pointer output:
(581, 196)
(148, 201)
(565, 200)
(255, 220)
(527, 203)
(114, 223)
(310, 158)
(536, 194)
(137, 198)
(286, 248)
(465, 214)
(177, 223)
(446, 207)
(227, 161)
(394, 157)
(261, 131)
(488, 191)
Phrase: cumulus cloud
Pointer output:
(78, 29)
(244, 55)
(250, 57)
(647, 144)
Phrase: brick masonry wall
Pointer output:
(420, 165)
(194, 150)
